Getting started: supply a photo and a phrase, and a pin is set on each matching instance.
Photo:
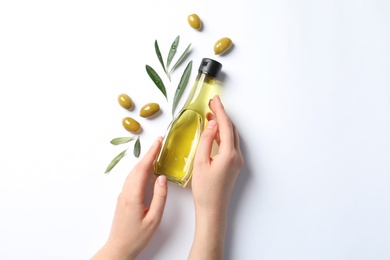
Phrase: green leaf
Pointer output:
(121, 140)
(182, 57)
(159, 55)
(157, 80)
(137, 148)
(182, 84)
(115, 161)
(172, 51)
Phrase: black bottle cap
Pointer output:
(210, 67)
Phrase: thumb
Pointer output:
(157, 205)
(205, 145)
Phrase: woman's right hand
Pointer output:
(213, 182)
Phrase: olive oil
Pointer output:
(180, 143)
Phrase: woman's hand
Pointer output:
(134, 224)
(213, 182)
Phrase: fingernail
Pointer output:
(162, 180)
(211, 124)
(157, 141)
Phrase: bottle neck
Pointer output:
(200, 94)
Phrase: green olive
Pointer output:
(149, 109)
(222, 45)
(194, 21)
(131, 125)
(125, 101)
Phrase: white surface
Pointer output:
(307, 84)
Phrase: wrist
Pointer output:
(211, 226)
(209, 238)
(211, 211)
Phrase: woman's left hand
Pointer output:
(134, 224)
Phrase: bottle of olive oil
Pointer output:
(180, 143)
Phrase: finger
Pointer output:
(236, 137)
(211, 116)
(206, 143)
(157, 205)
(236, 140)
(136, 180)
(225, 126)
(150, 156)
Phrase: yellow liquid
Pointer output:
(179, 146)
(176, 157)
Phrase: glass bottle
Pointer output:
(176, 157)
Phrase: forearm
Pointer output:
(111, 252)
(209, 238)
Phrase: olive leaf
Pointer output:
(172, 52)
(157, 49)
(137, 148)
(157, 80)
(182, 57)
(121, 140)
(182, 84)
(115, 161)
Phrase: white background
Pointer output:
(307, 84)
